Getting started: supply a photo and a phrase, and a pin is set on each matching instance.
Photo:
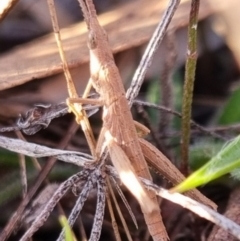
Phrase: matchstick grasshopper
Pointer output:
(127, 151)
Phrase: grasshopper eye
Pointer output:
(92, 44)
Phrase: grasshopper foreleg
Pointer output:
(72, 107)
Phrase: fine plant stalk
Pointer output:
(190, 68)
(148, 55)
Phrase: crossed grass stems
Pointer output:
(94, 175)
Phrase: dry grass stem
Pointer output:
(153, 45)
(200, 128)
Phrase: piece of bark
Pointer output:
(126, 28)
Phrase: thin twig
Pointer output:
(125, 226)
(147, 123)
(77, 109)
(82, 229)
(188, 84)
(23, 174)
(234, 127)
(72, 91)
(111, 212)
(173, 112)
(150, 51)
(120, 192)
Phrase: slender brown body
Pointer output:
(126, 150)
(117, 118)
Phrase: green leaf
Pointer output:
(231, 112)
(227, 160)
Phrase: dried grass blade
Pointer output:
(78, 205)
(99, 215)
(153, 44)
(61, 191)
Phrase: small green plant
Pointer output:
(227, 160)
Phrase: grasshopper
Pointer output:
(127, 151)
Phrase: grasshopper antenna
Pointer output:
(85, 11)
